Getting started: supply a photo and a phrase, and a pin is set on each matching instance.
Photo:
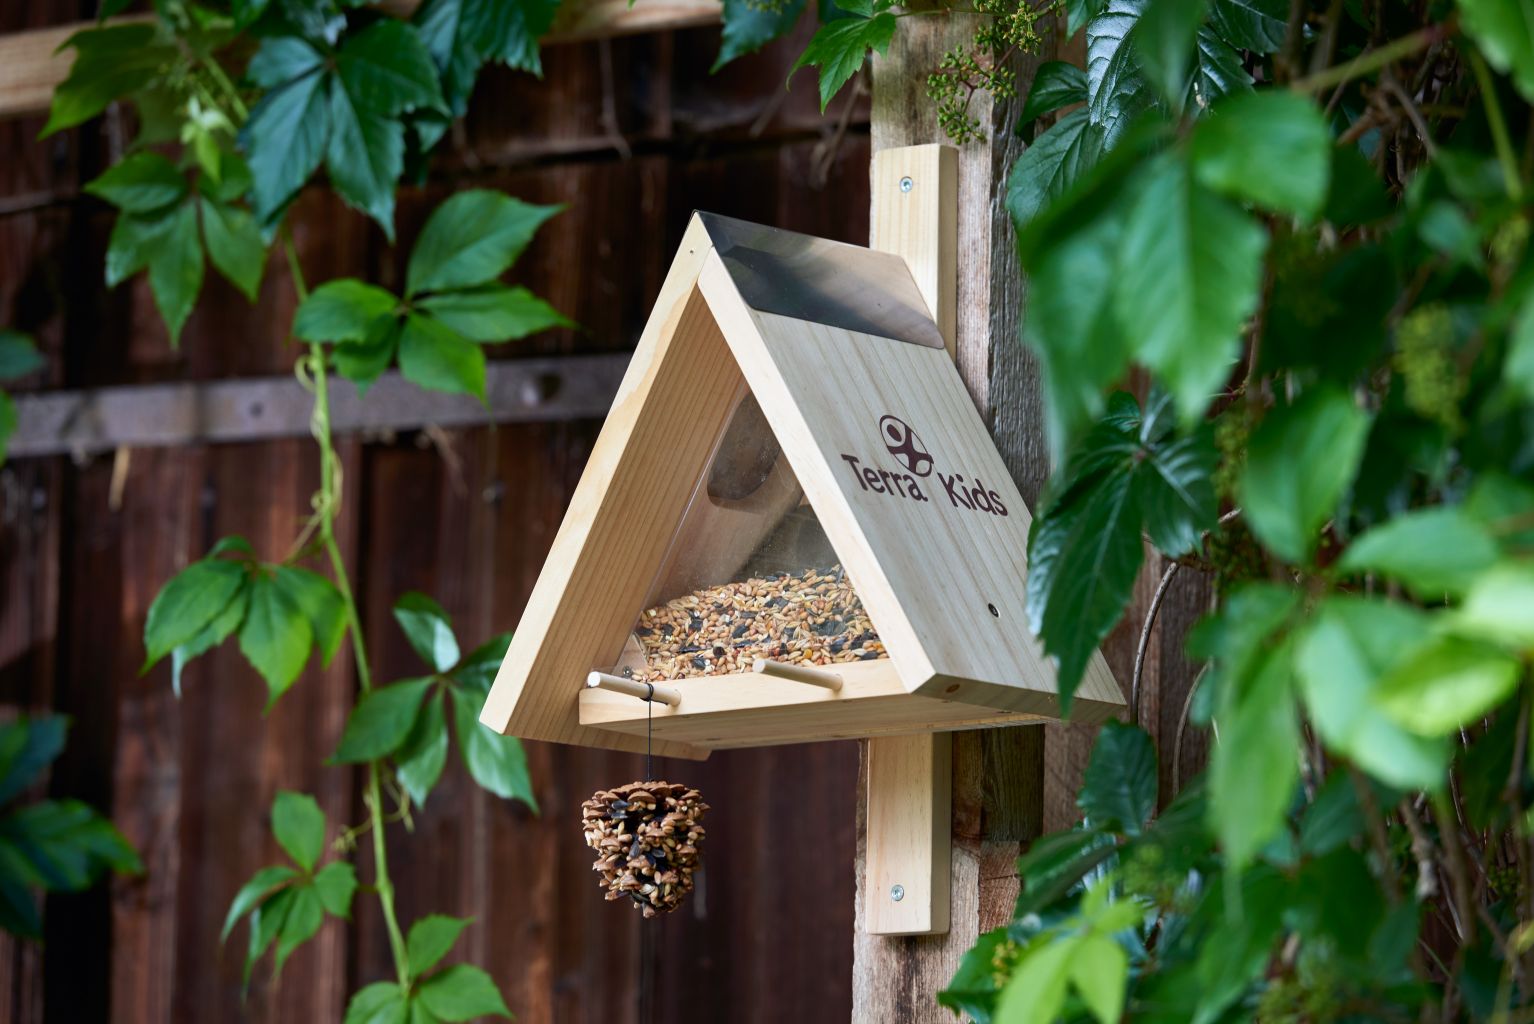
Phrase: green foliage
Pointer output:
(457, 993)
(452, 303)
(18, 358)
(49, 845)
(751, 24)
(840, 47)
(285, 905)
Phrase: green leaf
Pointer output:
(1119, 789)
(496, 762)
(509, 30)
(429, 940)
(1519, 367)
(109, 62)
(342, 310)
(1340, 658)
(1217, 71)
(1333, 819)
(1300, 461)
(234, 245)
(1269, 147)
(1434, 551)
(1056, 161)
(65, 845)
(189, 603)
(299, 825)
(381, 720)
(336, 883)
(1099, 972)
(1079, 12)
(428, 628)
(435, 356)
(1504, 30)
(266, 922)
(1447, 684)
(471, 239)
(1256, 25)
(1056, 84)
(141, 182)
(840, 47)
(18, 355)
(176, 268)
(379, 1003)
(1036, 992)
(27, 746)
(493, 313)
(460, 993)
(1055, 864)
(132, 242)
(254, 891)
(285, 137)
(388, 69)
(1116, 85)
(210, 636)
(750, 25)
(420, 759)
(1189, 270)
(1256, 764)
(276, 636)
(365, 156)
(1164, 41)
(477, 670)
(1500, 607)
(362, 363)
(321, 604)
(8, 423)
(301, 924)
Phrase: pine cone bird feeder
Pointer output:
(646, 835)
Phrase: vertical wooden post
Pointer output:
(997, 775)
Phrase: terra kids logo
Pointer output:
(917, 465)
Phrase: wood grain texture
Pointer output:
(908, 851)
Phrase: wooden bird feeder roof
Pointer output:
(832, 349)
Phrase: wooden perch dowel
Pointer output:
(644, 691)
(798, 673)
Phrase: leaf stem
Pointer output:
(327, 506)
(1498, 126)
(1371, 60)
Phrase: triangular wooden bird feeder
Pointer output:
(794, 526)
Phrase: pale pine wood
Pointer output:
(909, 793)
(919, 222)
(31, 65)
(749, 709)
(798, 673)
(647, 692)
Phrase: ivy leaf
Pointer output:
(750, 25)
(471, 239)
(27, 746)
(1255, 767)
(266, 923)
(1099, 973)
(336, 884)
(321, 604)
(1056, 84)
(18, 355)
(1120, 785)
(342, 310)
(234, 245)
(1164, 39)
(1080, 12)
(188, 604)
(498, 763)
(1519, 367)
(493, 313)
(210, 636)
(1504, 30)
(1056, 160)
(1434, 551)
(1447, 684)
(1271, 148)
(365, 157)
(462, 992)
(1189, 269)
(428, 628)
(840, 47)
(305, 915)
(1117, 87)
(1035, 994)
(381, 721)
(109, 62)
(364, 362)
(420, 759)
(437, 357)
(1500, 607)
(284, 139)
(1339, 659)
(429, 940)
(64, 845)
(509, 30)
(141, 182)
(379, 1003)
(477, 670)
(176, 268)
(276, 636)
(253, 892)
(1217, 71)
(1256, 25)
(299, 825)
(1300, 461)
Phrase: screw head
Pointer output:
(897, 893)
(906, 184)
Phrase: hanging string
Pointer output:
(646, 938)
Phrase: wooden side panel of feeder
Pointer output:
(677, 395)
(910, 804)
(943, 584)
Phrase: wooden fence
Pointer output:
(633, 134)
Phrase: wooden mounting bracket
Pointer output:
(908, 854)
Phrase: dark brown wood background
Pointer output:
(633, 135)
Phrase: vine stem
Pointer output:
(1498, 126)
(326, 509)
(1372, 60)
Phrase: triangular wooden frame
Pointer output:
(831, 339)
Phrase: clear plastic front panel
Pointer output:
(750, 574)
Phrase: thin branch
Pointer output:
(1372, 60)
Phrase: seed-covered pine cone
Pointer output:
(646, 835)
